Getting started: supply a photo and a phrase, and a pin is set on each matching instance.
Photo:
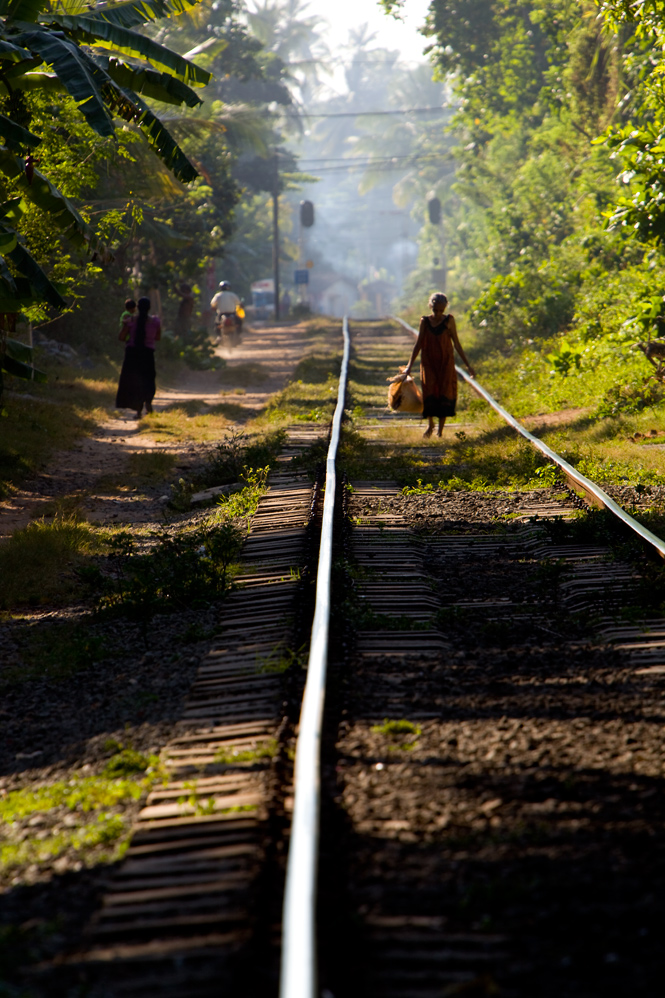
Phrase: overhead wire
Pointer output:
(364, 114)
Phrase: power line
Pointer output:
(378, 165)
(370, 114)
(368, 160)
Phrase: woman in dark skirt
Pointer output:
(136, 387)
(436, 339)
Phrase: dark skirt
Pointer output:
(137, 379)
(438, 406)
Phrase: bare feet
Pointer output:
(428, 433)
(440, 433)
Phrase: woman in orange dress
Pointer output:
(436, 338)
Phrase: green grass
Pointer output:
(395, 730)
(90, 793)
(36, 420)
(246, 502)
(227, 460)
(38, 563)
(91, 801)
(128, 762)
(207, 804)
(311, 394)
(172, 571)
(480, 452)
(280, 659)
(231, 755)
(528, 379)
(103, 830)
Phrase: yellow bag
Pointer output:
(405, 396)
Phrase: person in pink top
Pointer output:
(136, 387)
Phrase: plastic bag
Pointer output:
(405, 396)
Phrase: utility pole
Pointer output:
(275, 234)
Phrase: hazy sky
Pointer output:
(401, 35)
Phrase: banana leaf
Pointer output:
(93, 31)
(15, 136)
(159, 86)
(132, 108)
(27, 266)
(45, 195)
(16, 293)
(10, 53)
(11, 211)
(24, 371)
(165, 234)
(42, 193)
(18, 351)
(12, 69)
(23, 10)
(72, 66)
(36, 81)
(132, 13)
(8, 241)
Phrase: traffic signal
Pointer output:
(306, 214)
(434, 211)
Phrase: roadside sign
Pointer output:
(301, 277)
(309, 264)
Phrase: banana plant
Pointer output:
(94, 53)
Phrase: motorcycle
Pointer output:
(229, 326)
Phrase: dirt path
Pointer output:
(89, 470)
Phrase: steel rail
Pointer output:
(298, 974)
(593, 492)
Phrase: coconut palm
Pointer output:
(94, 54)
(283, 27)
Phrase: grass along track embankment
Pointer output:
(624, 452)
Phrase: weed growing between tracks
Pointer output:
(311, 395)
(232, 756)
(232, 459)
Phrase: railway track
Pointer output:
(191, 909)
(494, 765)
(491, 806)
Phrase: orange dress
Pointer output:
(437, 369)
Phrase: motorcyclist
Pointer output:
(226, 303)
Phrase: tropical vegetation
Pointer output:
(101, 69)
(555, 216)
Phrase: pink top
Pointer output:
(153, 327)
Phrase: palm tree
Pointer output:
(283, 27)
(91, 52)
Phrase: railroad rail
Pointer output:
(298, 974)
(592, 492)
(299, 960)
(433, 607)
